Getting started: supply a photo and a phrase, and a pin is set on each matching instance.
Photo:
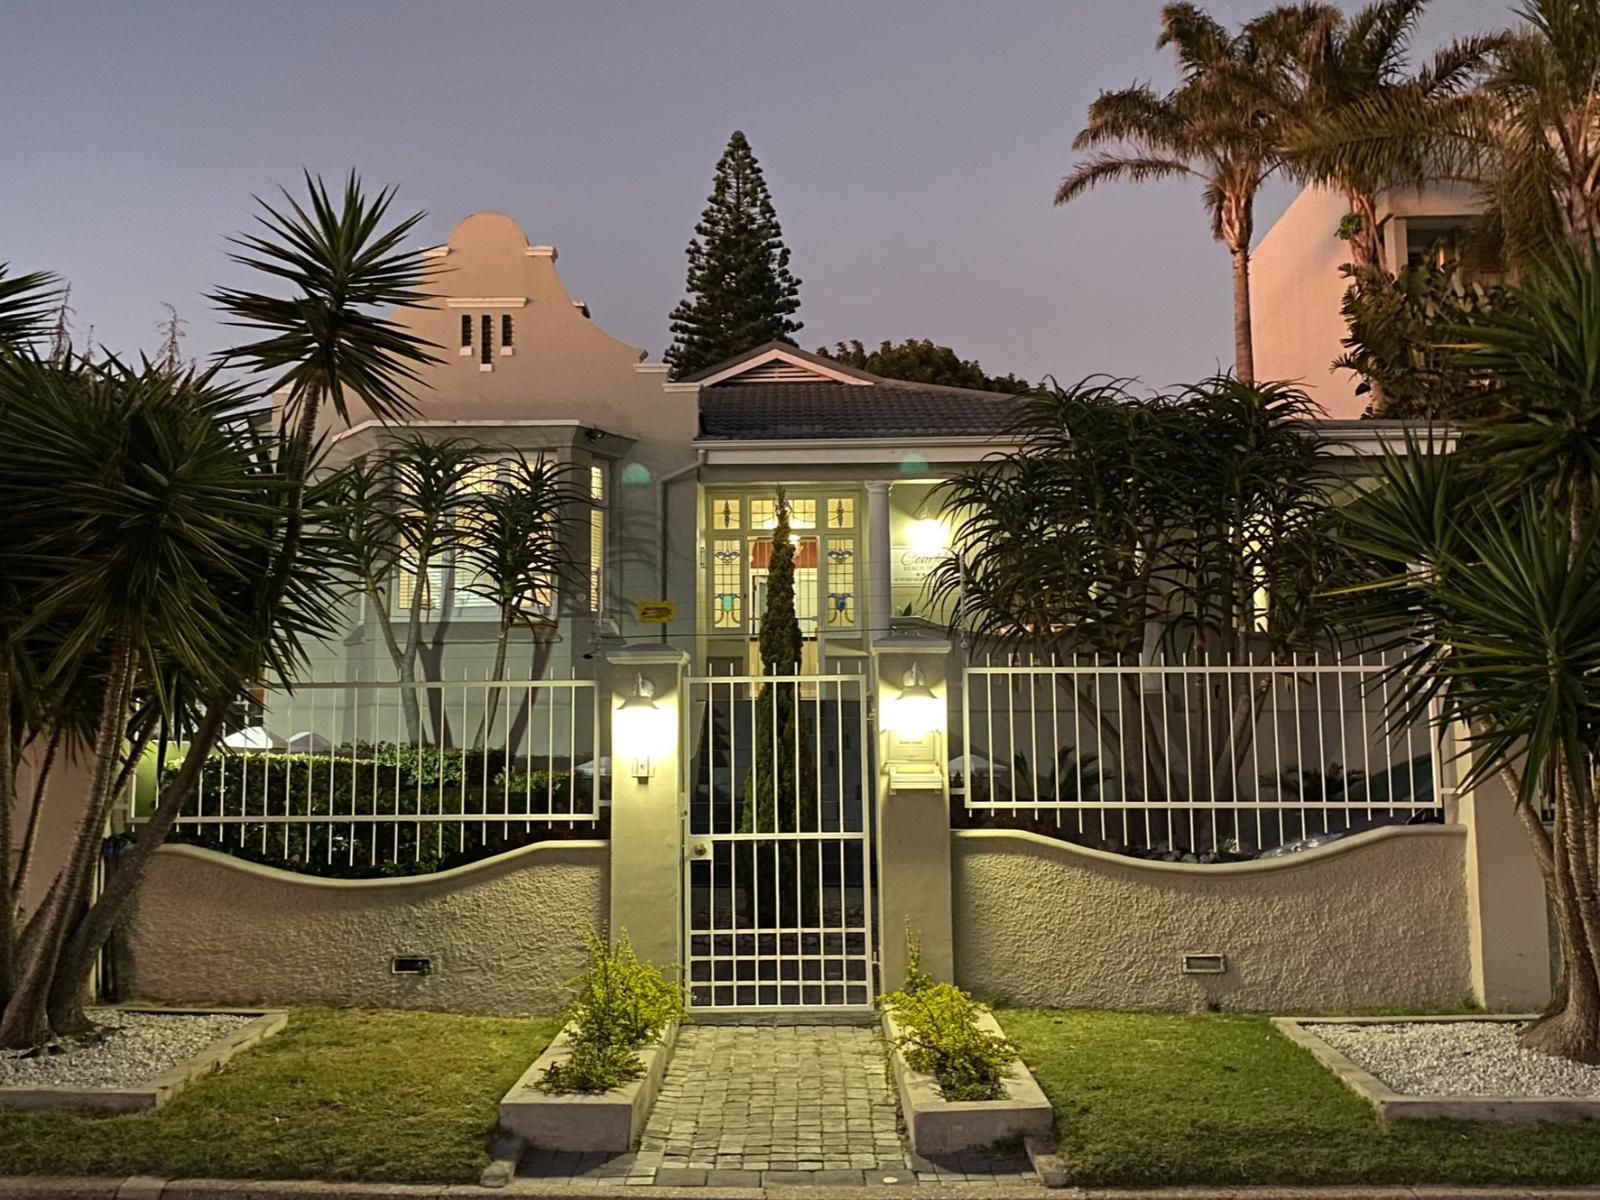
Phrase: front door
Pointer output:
(777, 843)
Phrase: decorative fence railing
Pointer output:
(1192, 760)
(358, 774)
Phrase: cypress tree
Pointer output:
(780, 794)
(741, 293)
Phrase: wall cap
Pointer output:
(911, 642)
(277, 874)
(1204, 870)
(647, 654)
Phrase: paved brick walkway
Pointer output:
(778, 1098)
(756, 1105)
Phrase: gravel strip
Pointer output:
(137, 1048)
(1458, 1058)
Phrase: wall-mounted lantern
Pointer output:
(916, 711)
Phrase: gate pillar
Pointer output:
(645, 709)
(913, 804)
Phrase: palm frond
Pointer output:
(27, 304)
(327, 339)
(1103, 168)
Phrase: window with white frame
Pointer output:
(826, 567)
(449, 572)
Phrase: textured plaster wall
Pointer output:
(505, 935)
(1379, 920)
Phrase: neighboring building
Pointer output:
(1297, 285)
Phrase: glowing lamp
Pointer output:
(929, 538)
(916, 711)
(639, 729)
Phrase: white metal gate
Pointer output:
(778, 862)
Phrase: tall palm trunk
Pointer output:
(1244, 353)
(26, 1021)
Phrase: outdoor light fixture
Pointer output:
(915, 712)
(638, 728)
(929, 538)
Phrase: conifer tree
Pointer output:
(741, 293)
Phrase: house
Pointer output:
(1297, 285)
(685, 474)
(626, 773)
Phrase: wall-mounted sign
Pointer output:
(656, 612)
(908, 567)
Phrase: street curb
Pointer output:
(63, 1187)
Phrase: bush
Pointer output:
(940, 1035)
(622, 1005)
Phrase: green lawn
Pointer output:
(1158, 1099)
(337, 1095)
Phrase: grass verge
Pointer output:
(389, 1096)
(1213, 1099)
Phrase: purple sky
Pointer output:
(911, 146)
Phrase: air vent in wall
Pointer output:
(1205, 964)
(411, 964)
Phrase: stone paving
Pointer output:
(759, 1105)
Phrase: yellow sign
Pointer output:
(656, 612)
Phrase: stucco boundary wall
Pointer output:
(1376, 920)
(504, 936)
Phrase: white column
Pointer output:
(878, 552)
(914, 884)
(645, 704)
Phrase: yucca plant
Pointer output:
(1483, 566)
(168, 540)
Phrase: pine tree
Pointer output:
(741, 293)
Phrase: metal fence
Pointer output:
(397, 776)
(778, 874)
(1192, 760)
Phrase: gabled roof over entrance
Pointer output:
(779, 392)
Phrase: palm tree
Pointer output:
(1525, 137)
(1217, 126)
(1343, 66)
(27, 303)
(1485, 566)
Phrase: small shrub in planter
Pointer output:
(622, 1005)
(939, 1035)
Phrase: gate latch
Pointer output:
(699, 848)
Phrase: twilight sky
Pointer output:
(912, 147)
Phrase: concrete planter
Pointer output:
(1396, 1106)
(609, 1121)
(155, 1092)
(936, 1126)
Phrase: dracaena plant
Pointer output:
(171, 558)
(1483, 565)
